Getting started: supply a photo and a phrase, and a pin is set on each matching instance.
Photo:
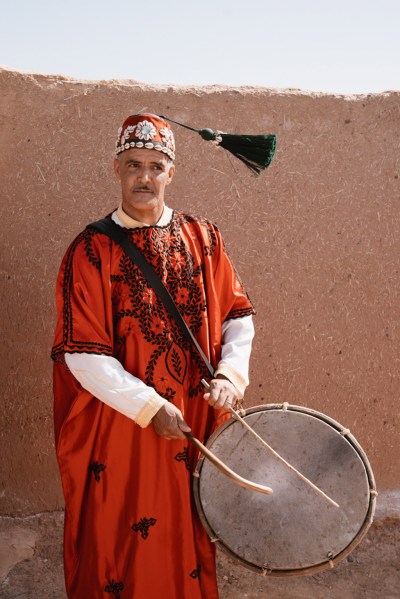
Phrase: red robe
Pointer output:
(131, 528)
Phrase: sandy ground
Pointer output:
(31, 566)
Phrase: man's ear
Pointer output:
(117, 166)
(171, 173)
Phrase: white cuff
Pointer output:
(106, 379)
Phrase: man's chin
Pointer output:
(143, 196)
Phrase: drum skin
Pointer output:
(294, 531)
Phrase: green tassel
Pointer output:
(255, 151)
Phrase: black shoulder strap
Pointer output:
(110, 228)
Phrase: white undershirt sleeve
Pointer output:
(106, 379)
(237, 337)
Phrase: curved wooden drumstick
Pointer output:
(243, 482)
(275, 453)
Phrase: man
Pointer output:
(127, 384)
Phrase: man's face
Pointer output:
(143, 175)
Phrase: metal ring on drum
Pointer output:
(294, 531)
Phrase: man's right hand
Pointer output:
(169, 422)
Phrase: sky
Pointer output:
(338, 46)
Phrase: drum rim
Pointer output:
(329, 562)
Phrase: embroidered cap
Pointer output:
(146, 131)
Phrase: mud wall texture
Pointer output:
(316, 239)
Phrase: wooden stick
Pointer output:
(236, 478)
(275, 453)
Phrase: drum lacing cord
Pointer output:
(214, 539)
(265, 570)
(285, 406)
(345, 431)
(331, 562)
(373, 493)
(196, 474)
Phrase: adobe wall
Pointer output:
(316, 239)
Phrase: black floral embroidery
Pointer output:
(143, 526)
(210, 229)
(240, 313)
(171, 258)
(176, 362)
(96, 468)
(87, 242)
(57, 352)
(183, 456)
(136, 309)
(196, 572)
(114, 588)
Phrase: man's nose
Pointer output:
(144, 174)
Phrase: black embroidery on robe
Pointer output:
(183, 456)
(176, 363)
(87, 242)
(196, 572)
(57, 352)
(143, 526)
(135, 305)
(96, 468)
(240, 313)
(171, 258)
(210, 229)
(114, 588)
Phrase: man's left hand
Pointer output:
(222, 394)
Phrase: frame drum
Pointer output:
(294, 531)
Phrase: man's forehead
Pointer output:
(143, 155)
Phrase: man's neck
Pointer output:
(147, 218)
(124, 220)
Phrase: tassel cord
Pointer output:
(180, 124)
